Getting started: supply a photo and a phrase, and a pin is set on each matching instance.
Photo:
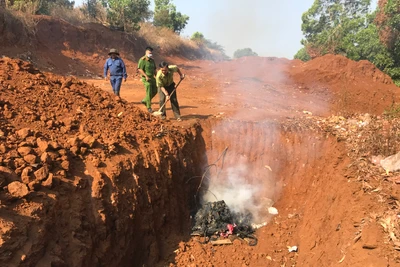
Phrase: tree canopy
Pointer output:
(245, 52)
(127, 14)
(38, 6)
(165, 15)
(349, 28)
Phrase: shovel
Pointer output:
(159, 112)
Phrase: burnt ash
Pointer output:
(213, 218)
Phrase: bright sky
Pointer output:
(268, 27)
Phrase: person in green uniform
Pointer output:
(147, 68)
(166, 84)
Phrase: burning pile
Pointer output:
(216, 219)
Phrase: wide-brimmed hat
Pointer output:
(113, 51)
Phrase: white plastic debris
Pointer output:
(258, 226)
(293, 249)
(273, 211)
(391, 163)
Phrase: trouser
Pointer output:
(116, 82)
(173, 98)
(151, 91)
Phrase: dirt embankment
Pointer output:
(62, 48)
(87, 179)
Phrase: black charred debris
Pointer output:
(215, 220)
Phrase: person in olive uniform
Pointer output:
(166, 85)
(147, 68)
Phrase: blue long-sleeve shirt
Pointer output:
(116, 67)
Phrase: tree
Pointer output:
(347, 27)
(39, 6)
(198, 38)
(245, 52)
(327, 22)
(302, 54)
(165, 15)
(91, 8)
(126, 14)
(388, 22)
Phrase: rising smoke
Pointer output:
(240, 194)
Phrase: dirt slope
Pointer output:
(87, 179)
(85, 174)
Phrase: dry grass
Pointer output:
(169, 43)
(28, 22)
(26, 7)
(165, 38)
(74, 16)
(78, 16)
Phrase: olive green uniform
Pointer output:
(167, 81)
(149, 67)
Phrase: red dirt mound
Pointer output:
(81, 173)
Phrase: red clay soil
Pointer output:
(89, 179)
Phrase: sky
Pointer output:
(268, 27)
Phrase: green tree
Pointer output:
(328, 22)
(346, 27)
(90, 8)
(165, 15)
(198, 37)
(388, 21)
(127, 14)
(245, 52)
(200, 40)
(302, 55)
(39, 6)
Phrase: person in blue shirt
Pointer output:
(117, 70)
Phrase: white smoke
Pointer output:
(240, 192)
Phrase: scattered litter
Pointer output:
(221, 242)
(369, 246)
(342, 259)
(258, 226)
(268, 167)
(307, 112)
(358, 237)
(78, 110)
(119, 114)
(273, 211)
(391, 163)
(293, 249)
